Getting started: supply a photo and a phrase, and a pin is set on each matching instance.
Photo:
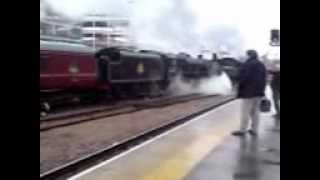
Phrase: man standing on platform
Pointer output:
(275, 86)
(273, 68)
(252, 84)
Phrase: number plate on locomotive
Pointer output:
(140, 68)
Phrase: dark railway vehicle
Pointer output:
(231, 66)
(195, 68)
(171, 67)
(187, 67)
(134, 72)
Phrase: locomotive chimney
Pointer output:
(214, 57)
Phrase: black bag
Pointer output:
(265, 105)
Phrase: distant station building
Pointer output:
(55, 25)
(100, 30)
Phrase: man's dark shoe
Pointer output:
(276, 116)
(238, 133)
(252, 132)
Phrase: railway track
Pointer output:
(83, 115)
(78, 165)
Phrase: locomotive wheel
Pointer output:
(118, 92)
(137, 91)
(45, 106)
(42, 114)
(44, 109)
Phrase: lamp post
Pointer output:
(275, 37)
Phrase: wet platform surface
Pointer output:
(200, 149)
(246, 158)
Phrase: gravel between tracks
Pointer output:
(60, 146)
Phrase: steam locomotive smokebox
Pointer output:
(126, 66)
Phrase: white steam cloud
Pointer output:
(215, 85)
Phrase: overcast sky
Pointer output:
(236, 24)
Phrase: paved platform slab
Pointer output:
(200, 149)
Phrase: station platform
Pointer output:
(201, 149)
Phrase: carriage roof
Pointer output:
(65, 46)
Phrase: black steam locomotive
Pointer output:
(74, 69)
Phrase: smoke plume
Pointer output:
(167, 25)
(215, 85)
(188, 25)
(174, 26)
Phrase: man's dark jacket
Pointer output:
(252, 79)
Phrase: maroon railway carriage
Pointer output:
(67, 68)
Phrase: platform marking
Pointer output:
(182, 163)
(89, 170)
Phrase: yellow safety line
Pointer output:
(177, 167)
